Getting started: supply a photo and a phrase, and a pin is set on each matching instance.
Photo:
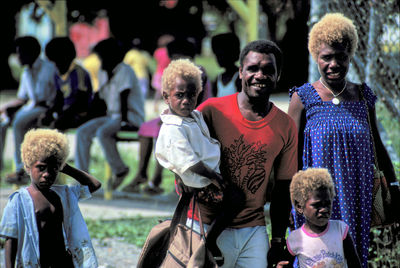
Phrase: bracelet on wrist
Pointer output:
(277, 240)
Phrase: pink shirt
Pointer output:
(319, 250)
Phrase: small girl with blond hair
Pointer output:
(320, 242)
(42, 223)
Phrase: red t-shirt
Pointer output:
(249, 149)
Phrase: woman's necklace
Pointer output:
(335, 100)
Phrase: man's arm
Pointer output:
(82, 177)
(279, 214)
(280, 209)
(350, 252)
(10, 252)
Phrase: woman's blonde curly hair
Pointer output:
(305, 182)
(181, 68)
(333, 28)
(40, 144)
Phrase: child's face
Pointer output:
(44, 173)
(182, 97)
(318, 208)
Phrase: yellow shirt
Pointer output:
(92, 64)
(139, 61)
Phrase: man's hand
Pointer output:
(276, 251)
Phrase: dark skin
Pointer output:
(181, 100)
(48, 210)
(317, 211)
(259, 75)
(333, 62)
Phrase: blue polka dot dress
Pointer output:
(337, 137)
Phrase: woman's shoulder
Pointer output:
(300, 89)
(307, 94)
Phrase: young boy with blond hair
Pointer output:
(42, 223)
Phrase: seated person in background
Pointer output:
(320, 242)
(74, 88)
(162, 59)
(148, 132)
(139, 60)
(42, 223)
(36, 94)
(226, 48)
(125, 109)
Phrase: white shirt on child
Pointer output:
(19, 221)
(182, 143)
(38, 84)
(319, 250)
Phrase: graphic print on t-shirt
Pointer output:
(245, 164)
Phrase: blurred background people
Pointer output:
(139, 60)
(226, 48)
(125, 109)
(148, 132)
(73, 84)
(162, 59)
(36, 94)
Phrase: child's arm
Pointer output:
(203, 170)
(82, 177)
(10, 252)
(350, 252)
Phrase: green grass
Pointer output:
(132, 230)
(97, 167)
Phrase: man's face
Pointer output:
(259, 74)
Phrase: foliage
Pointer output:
(132, 230)
(392, 129)
(391, 126)
(384, 250)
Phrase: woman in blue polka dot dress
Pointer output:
(336, 136)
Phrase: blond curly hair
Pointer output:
(333, 28)
(40, 144)
(305, 182)
(181, 68)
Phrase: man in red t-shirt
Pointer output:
(256, 137)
